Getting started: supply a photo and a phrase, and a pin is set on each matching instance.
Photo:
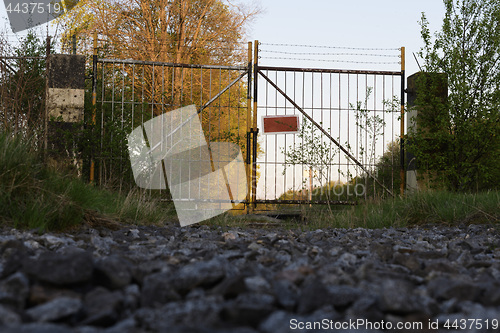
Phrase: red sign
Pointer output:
(280, 124)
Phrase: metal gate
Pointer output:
(128, 93)
(346, 147)
(348, 143)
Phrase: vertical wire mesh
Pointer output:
(133, 92)
(351, 107)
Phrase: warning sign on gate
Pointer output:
(280, 124)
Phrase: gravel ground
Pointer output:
(208, 279)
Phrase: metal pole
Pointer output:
(94, 102)
(402, 123)
(249, 119)
(254, 129)
(46, 117)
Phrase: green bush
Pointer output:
(36, 197)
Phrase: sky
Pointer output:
(354, 23)
(336, 27)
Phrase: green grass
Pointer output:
(34, 196)
(434, 207)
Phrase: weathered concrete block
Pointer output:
(66, 104)
(66, 71)
(66, 83)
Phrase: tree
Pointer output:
(22, 86)
(180, 31)
(207, 32)
(311, 151)
(458, 138)
(386, 170)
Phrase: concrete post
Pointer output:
(65, 109)
(418, 180)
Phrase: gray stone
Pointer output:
(257, 284)
(61, 269)
(440, 265)
(347, 259)
(102, 307)
(207, 279)
(37, 328)
(157, 290)
(13, 252)
(443, 288)
(8, 317)
(53, 242)
(131, 297)
(14, 291)
(231, 287)
(278, 322)
(281, 321)
(343, 296)
(113, 272)
(204, 273)
(42, 293)
(409, 261)
(383, 251)
(248, 309)
(128, 325)
(313, 296)
(196, 313)
(368, 307)
(286, 294)
(491, 296)
(55, 310)
(397, 297)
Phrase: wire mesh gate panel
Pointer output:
(129, 93)
(344, 147)
(347, 147)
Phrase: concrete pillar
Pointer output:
(438, 87)
(65, 109)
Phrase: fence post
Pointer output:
(402, 123)
(46, 115)
(94, 102)
(254, 128)
(65, 106)
(418, 178)
(249, 119)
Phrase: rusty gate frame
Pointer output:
(244, 71)
(253, 71)
(254, 131)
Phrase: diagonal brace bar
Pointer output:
(242, 75)
(201, 109)
(325, 132)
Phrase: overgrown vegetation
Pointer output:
(22, 87)
(422, 209)
(457, 142)
(36, 197)
(458, 136)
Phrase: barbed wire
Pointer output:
(334, 60)
(332, 47)
(342, 54)
(329, 53)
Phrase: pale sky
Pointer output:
(358, 25)
(354, 23)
